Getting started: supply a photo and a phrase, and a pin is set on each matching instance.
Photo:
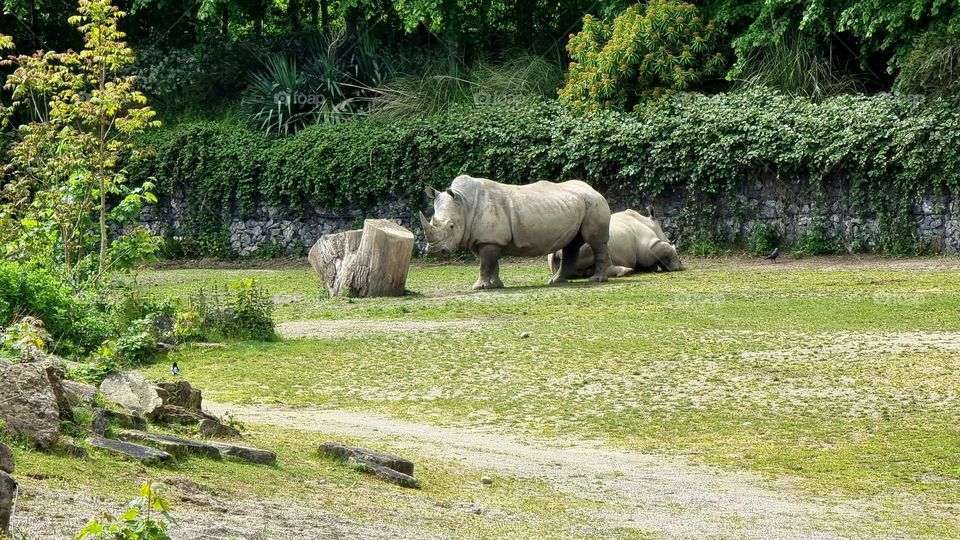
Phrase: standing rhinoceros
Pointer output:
(637, 243)
(492, 220)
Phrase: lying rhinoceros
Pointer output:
(637, 244)
(492, 220)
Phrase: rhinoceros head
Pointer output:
(445, 230)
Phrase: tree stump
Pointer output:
(369, 262)
(327, 255)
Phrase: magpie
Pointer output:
(175, 369)
(773, 255)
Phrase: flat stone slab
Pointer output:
(177, 446)
(246, 453)
(350, 453)
(393, 469)
(131, 450)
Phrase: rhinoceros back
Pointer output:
(530, 220)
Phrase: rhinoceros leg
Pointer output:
(489, 267)
(568, 262)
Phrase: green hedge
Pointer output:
(891, 150)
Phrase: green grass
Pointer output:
(829, 376)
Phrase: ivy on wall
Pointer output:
(890, 151)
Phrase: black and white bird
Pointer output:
(175, 370)
(773, 255)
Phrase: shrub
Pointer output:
(73, 319)
(242, 311)
(646, 54)
(814, 241)
(146, 518)
(763, 238)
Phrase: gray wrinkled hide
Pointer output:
(492, 220)
(637, 244)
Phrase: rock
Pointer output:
(176, 446)
(215, 429)
(180, 394)
(7, 463)
(172, 414)
(79, 394)
(102, 418)
(133, 391)
(138, 452)
(28, 404)
(246, 453)
(8, 496)
(486, 480)
(358, 455)
(524, 334)
(65, 445)
(388, 474)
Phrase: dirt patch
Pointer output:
(665, 495)
(54, 514)
(342, 328)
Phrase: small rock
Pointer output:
(79, 394)
(173, 414)
(216, 430)
(133, 391)
(7, 463)
(181, 394)
(524, 334)
(8, 493)
(103, 417)
(246, 453)
(486, 480)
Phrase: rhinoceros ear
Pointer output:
(454, 195)
(430, 192)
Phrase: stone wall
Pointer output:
(789, 208)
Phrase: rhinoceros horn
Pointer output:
(428, 229)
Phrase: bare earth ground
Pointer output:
(659, 494)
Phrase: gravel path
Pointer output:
(665, 495)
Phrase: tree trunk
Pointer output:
(325, 14)
(376, 265)
(225, 22)
(293, 14)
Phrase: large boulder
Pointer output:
(7, 464)
(132, 391)
(8, 495)
(28, 402)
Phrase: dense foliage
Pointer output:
(63, 167)
(74, 320)
(890, 150)
(647, 53)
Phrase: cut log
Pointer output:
(379, 266)
(327, 255)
